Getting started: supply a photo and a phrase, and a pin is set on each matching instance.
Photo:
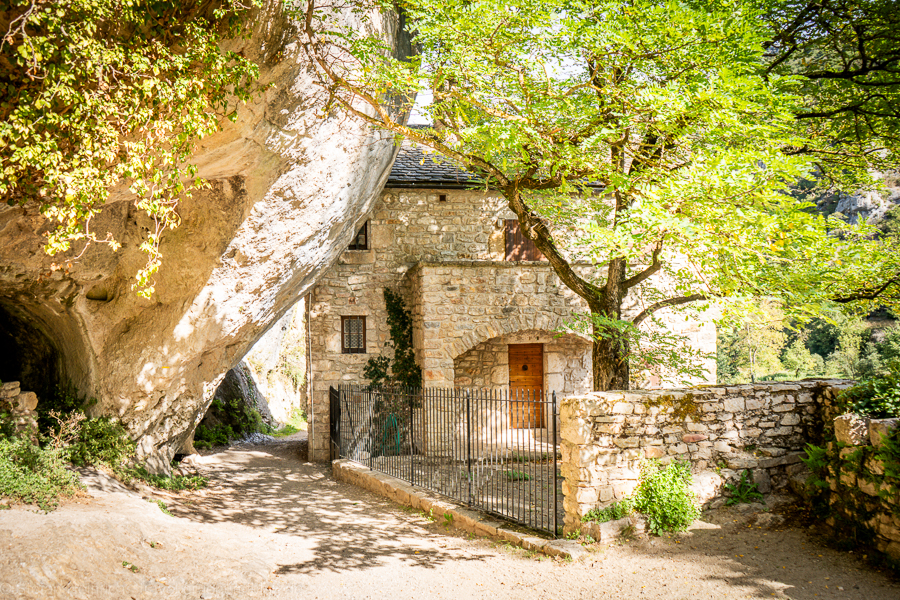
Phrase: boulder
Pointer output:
(288, 190)
(238, 386)
(707, 486)
(26, 402)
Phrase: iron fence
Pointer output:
(494, 450)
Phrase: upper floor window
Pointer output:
(361, 241)
(353, 335)
(519, 247)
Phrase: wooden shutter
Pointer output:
(519, 247)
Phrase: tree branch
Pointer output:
(664, 303)
(869, 294)
(654, 267)
(534, 228)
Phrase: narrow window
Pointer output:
(353, 335)
(442, 198)
(519, 247)
(361, 241)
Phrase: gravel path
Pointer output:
(272, 525)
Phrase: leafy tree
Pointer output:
(847, 56)
(799, 361)
(94, 93)
(753, 346)
(652, 138)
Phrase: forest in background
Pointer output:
(767, 346)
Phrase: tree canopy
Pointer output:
(98, 92)
(653, 138)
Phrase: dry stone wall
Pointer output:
(860, 472)
(21, 405)
(720, 430)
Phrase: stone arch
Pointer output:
(567, 361)
(538, 321)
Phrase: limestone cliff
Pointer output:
(287, 189)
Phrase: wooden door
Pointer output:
(526, 386)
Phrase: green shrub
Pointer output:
(230, 420)
(173, 483)
(878, 396)
(35, 475)
(664, 496)
(102, 441)
(613, 512)
(64, 400)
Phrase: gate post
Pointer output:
(469, 443)
(555, 476)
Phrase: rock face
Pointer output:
(238, 384)
(873, 204)
(288, 188)
(278, 364)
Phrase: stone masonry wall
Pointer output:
(405, 227)
(862, 473)
(720, 430)
(567, 362)
(446, 258)
(21, 405)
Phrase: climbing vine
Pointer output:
(96, 93)
(402, 369)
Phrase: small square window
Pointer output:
(353, 335)
(361, 241)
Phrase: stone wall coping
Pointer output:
(494, 264)
(705, 390)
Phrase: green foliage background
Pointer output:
(95, 93)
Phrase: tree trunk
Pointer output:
(610, 364)
(610, 351)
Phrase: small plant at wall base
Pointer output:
(402, 370)
(744, 492)
(664, 496)
(613, 512)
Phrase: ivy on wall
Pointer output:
(95, 93)
(402, 368)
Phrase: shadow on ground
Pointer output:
(784, 561)
(336, 526)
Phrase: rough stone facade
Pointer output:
(444, 251)
(567, 362)
(720, 430)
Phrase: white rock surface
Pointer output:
(287, 190)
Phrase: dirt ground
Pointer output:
(272, 525)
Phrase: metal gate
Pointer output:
(464, 444)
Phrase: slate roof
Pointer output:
(413, 168)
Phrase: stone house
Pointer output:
(487, 309)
